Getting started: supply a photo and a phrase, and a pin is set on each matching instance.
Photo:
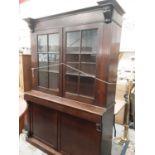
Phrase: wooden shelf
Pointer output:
(42, 70)
(53, 71)
(91, 63)
(82, 75)
(72, 62)
(49, 71)
(89, 53)
(56, 62)
(48, 52)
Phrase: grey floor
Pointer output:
(117, 149)
(27, 149)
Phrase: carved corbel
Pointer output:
(108, 13)
(31, 23)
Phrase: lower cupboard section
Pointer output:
(79, 137)
(66, 134)
(44, 125)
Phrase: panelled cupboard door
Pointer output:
(46, 58)
(81, 46)
(44, 122)
(79, 137)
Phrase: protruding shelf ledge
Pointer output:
(79, 109)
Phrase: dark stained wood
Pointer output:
(79, 109)
(84, 99)
(107, 134)
(66, 121)
(79, 137)
(102, 65)
(43, 146)
(34, 61)
(107, 58)
(113, 3)
(30, 119)
(113, 61)
(45, 125)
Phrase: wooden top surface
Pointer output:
(73, 107)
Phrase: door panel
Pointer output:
(45, 125)
(79, 137)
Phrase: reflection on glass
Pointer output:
(73, 41)
(43, 62)
(53, 57)
(89, 41)
(72, 68)
(53, 80)
(48, 62)
(88, 58)
(71, 84)
(43, 58)
(83, 59)
(43, 78)
(53, 40)
(87, 86)
(42, 43)
(88, 68)
(72, 57)
(53, 67)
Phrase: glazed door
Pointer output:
(81, 45)
(47, 57)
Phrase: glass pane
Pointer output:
(72, 60)
(89, 41)
(53, 67)
(53, 57)
(43, 70)
(43, 62)
(43, 78)
(72, 68)
(87, 86)
(88, 58)
(71, 83)
(53, 80)
(88, 68)
(53, 40)
(72, 57)
(73, 42)
(42, 43)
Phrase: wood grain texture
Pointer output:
(69, 124)
(79, 137)
(45, 125)
(49, 150)
(79, 109)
